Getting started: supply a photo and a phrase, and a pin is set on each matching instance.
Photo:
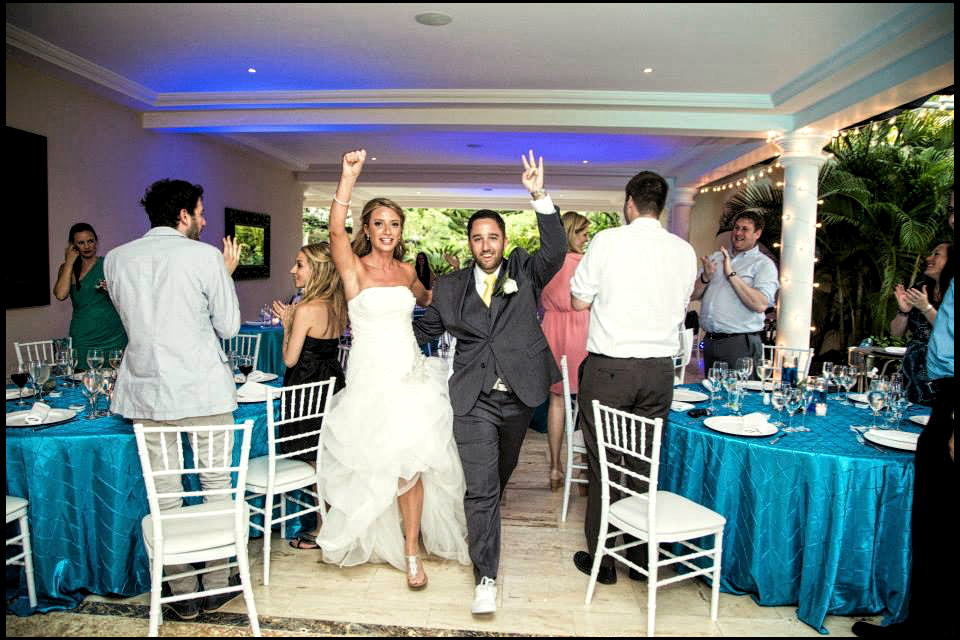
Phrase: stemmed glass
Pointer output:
(65, 364)
(94, 358)
(108, 378)
(793, 399)
(876, 398)
(91, 381)
(716, 376)
(20, 375)
(114, 356)
(896, 403)
(731, 384)
(245, 364)
(744, 368)
(827, 374)
(778, 400)
(845, 381)
(807, 390)
(765, 372)
(40, 372)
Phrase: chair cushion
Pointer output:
(291, 474)
(198, 532)
(676, 515)
(14, 506)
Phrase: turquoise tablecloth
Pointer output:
(817, 520)
(87, 497)
(271, 348)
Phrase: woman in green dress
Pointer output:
(95, 323)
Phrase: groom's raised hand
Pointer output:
(532, 177)
(353, 163)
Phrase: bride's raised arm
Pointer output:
(341, 251)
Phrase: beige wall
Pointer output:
(100, 161)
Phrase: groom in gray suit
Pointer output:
(503, 367)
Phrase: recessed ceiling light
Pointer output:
(473, 145)
(586, 162)
(374, 158)
(251, 70)
(432, 19)
(648, 70)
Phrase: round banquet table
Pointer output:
(817, 520)
(87, 498)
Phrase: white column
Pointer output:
(801, 159)
(683, 200)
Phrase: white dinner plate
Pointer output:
(737, 426)
(897, 351)
(255, 376)
(686, 395)
(754, 385)
(258, 323)
(18, 418)
(920, 419)
(13, 394)
(859, 398)
(904, 440)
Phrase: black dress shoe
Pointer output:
(181, 609)
(212, 604)
(636, 575)
(863, 629)
(584, 562)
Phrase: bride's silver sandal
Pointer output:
(413, 569)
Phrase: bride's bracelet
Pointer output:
(340, 202)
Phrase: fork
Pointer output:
(858, 431)
(780, 436)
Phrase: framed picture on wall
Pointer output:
(28, 277)
(252, 230)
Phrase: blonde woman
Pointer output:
(389, 466)
(566, 332)
(311, 336)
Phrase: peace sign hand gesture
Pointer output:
(532, 177)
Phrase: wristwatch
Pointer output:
(538, 194)
(731, 274)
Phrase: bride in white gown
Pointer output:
(389, 466)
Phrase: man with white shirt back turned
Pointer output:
(736, 291)
(176, 300)
(636, 280)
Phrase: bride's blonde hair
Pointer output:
(324, 283)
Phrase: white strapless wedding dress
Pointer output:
(390, 425)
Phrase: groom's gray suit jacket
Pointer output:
(505, 340)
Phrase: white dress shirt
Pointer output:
(638, 279)
(176, 300)
(721, 309)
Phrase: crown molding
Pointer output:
(40, 48)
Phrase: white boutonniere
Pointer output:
(509, 287)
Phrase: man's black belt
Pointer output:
(724, 336)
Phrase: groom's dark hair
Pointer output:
(490, 215)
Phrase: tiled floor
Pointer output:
(540, 591)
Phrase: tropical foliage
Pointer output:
(884, 193)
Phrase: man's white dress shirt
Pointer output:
(638, 279)
(721, 309)
(176, 301)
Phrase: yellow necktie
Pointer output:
(488, 282)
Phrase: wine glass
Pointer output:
(744, 368)
(778, 400)
(765, 372)
(40, 372)
(94, 358)
(845, 381)
(245, 364)
(793, 398)
(90, 386)
(808, 388)
(876, 398)
(827, 374)
(20, 375)
(65, 364)
(114, 356)
(108, 378)
(715, 375)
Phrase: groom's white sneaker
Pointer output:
(485, 597)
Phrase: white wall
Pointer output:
(100, 161)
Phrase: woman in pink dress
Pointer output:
(566, 332)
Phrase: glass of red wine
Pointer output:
(20, 375)
(245, 364)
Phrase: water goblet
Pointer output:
(778, 400)
(108, 378)
(20, 375)
(90, 386)
(65, 364)
(793, 398)
(40, 373)
(827, 374)
(94, 358)
(876, 398)
(744, 368)
(808, 390)
(845, 381)
(716, 376)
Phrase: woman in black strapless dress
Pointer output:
(311, 337)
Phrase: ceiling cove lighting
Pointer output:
(432, 19)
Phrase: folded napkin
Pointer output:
(756, 419)
(255, 376)
(906, 437)
(253, 390)
(676, 405)
(38, 413)
(707, 385)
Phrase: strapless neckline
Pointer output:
(391, 286)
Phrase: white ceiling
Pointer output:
(447, 110)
